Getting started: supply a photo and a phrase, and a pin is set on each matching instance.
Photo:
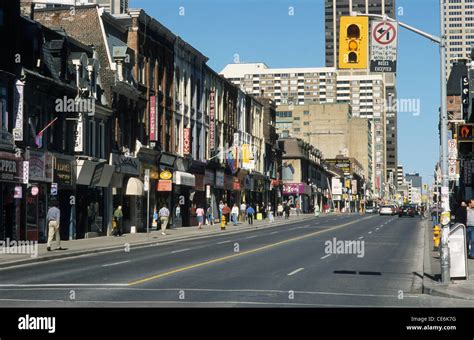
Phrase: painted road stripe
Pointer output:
(275, 232)
(360, 238)
(295, 271)
(228, 257)
(251, 236)
(179, 251)
(114, 264)
(222, 242)
(370, 232)
(322, 258)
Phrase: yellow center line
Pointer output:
(220, 259)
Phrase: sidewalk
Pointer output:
(460, 289)
(110, 243)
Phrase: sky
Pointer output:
(264, 31)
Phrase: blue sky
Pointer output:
(263, 30)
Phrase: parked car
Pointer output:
(369, 210)
(406, 210)
(387, 210)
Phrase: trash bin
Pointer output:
(458, 251)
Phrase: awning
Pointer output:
(85, 171)
(183, 178)
(134, 187)
(105, 176)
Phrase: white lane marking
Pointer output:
(370, 232)
(295, 271)
(377, 228)
(251, 236)
(222, 242)
(32, 285)
(179, 251)
(114, 264)
(275, 232)
(360, 238)
(322, 258)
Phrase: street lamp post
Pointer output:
(444, 253)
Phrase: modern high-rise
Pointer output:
(459, 26)
(322, 85)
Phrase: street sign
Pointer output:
(452, 169)
(383, 49)
(453, 149)
(146, 184)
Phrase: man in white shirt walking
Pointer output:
(243, 212)
(53, 217)
(164, 215)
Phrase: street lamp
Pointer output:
(444, 254)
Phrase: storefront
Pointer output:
(127, 191)
(11, 194)
(149, 162)
(297, 194)
(183, 189)
(37, 195)
(63, 189)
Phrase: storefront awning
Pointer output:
(85, 171)
(106, 176)
(134, 187)
(183, 178)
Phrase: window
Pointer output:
(306, 123)
(306, 113)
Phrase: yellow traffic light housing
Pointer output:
(353, 42)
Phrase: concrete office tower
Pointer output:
(459, 26)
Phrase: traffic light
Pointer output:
(353, 42)
(465, 133)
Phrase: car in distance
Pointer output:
(387, 210)
(406, 210)
(369, 210)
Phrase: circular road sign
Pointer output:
(384, 33)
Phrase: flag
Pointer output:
(39, 140)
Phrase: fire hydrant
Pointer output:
(223, 222)
(436, 236)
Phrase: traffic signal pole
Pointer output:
(445, 214)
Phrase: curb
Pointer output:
(140, 244)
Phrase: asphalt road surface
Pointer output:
(290, 265)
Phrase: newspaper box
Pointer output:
(458, 251)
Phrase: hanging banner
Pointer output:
(383, 48)
(79, 135)
(187, 141)
(18, 111)
(153, 130)
(212, 122)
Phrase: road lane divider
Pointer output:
(180, 251)
(252, 251)
(295, 271)
(115, 264)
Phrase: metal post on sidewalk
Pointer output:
(147, 189)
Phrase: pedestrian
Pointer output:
(470, 228)
(280, 210)
(226, 212)
(118, 216)
(461, 214)
(164, 215)
(243, 209)
(53, 217)
(316, 210)
(287, 208)
(221, 207)
(235, 213)
(270, 213)
(210, 219)
(154, 223)
(250, 212)
(200, 216)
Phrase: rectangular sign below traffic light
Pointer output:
(383, 46)
(353, 42)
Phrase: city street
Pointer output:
(286, 265)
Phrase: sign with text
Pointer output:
(212, 121)
(187, 141)
(383, 48)
(153, 129)
(18, 110)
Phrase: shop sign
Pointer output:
(220, 179)
(34, 190)
(296, 189)
(18, 110)
(209, 177)
(164, 185)
(9, 170)
(199, 182)
(37, 165)
(236, 184)
(153, 129)
(54, 189)
(26, 172)
(63, 171)
(166, 175)
(125, 165)
(187, 141)
(18, 192)
(212, 121)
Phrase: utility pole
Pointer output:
(445, 215)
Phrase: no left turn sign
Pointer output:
(385, 33)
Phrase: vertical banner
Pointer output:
(212, 122)
(153, 130)
(187, 141)
(18, 111)
(79, 135)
